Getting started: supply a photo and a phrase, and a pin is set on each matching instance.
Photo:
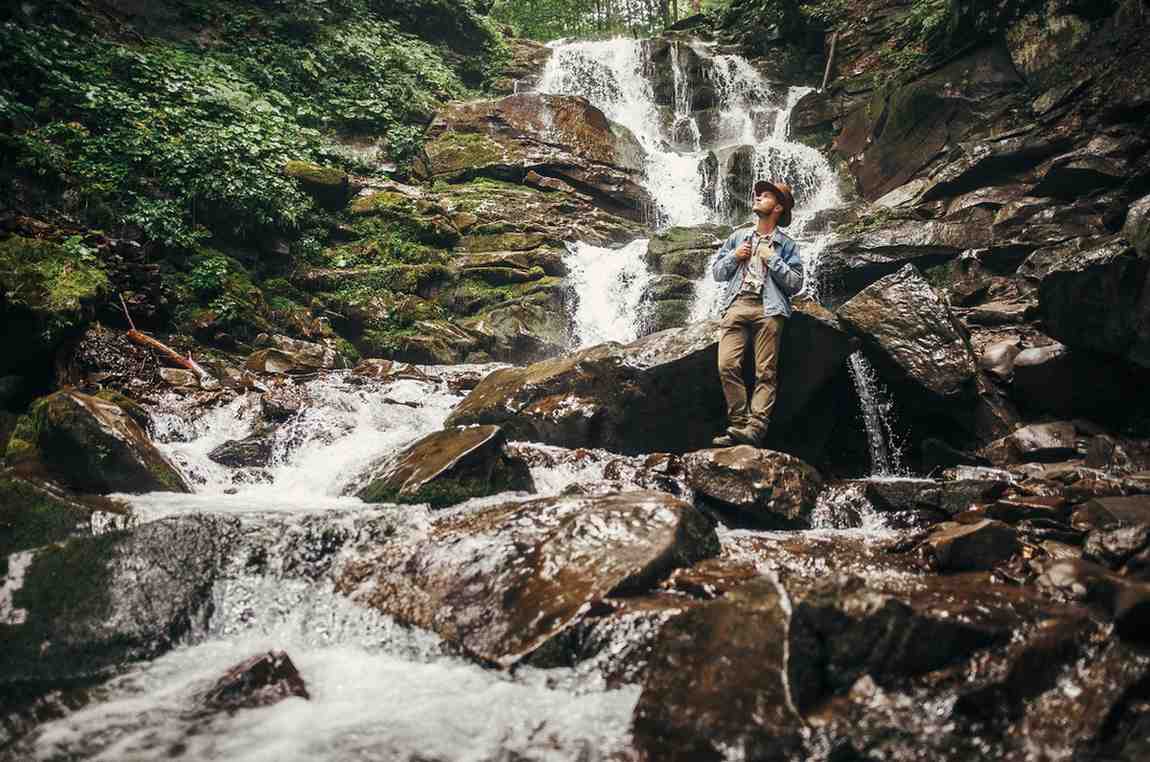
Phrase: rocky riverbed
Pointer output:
(505, 537)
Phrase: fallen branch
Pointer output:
(144, 340)
(830, 61)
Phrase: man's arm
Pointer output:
(726, 264)
(787, 270)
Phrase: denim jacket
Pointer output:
(785, 271)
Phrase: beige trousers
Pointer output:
(744, 322)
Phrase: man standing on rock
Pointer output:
(763, 270)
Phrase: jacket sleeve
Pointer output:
(726, 263)
(787, 270)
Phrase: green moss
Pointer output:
(487, 240)
(438, 493)
(454, 152)
(58, 284)
(30, 517)
(315, 174)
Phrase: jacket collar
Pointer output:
(777, 236)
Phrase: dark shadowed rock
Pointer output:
(1098, 300)
(253, 451)
(1043, 442)
(449, 466)
(35, 512)
(659, 393)
(499, 139)
(503, 580)
(1106, 512)
(951, 497)
(260, 680)
(1115, 546)
(972, 547)
(718, 680)
(1056, 380)
(1137, 227)
(772, 487)
(76, 610)
(91, 445)
(910, 328)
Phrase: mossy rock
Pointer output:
(90, 445)
(331, 188)
(513, 241)
(34, 513)
(448, 467)
(48, 294)
(404, 216)
(456, 154)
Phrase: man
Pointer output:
(763, 270)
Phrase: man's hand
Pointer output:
(743, 253)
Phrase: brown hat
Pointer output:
(783, 193)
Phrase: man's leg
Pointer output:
(732, 341)
(766, 346)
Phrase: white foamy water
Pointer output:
(378, 691)
(877, 410)
(609, 285)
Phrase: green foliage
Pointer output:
(551, 19)
(829, 12)
(57, 283)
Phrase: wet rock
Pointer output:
(36, 512)
(972, 547)
(260, 680)
(450, 466)
(856, 260)
(950, 497)
(288, 355)
(251, 452)
(685, 251)
(1107, 512)
(718, 682)
(998, 359)
(1114, 547)
(657, 394)
(105, 357)
(90, 445)
(1098, 300)
(503, 580)
(843, 628)
(79, 610)
(911, 330)
(522, 72)
(1041, 45)
(499, 139)
(179, 377)
(1020, 508)
(1137, 227)
(773, 488)
(1040, 442)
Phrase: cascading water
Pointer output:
(694, 180)
(610, 285)
(885, 453)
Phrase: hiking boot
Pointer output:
(744, 435)
(723, 440)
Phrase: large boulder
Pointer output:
(503, 580)
(75, 611)
(1099, 300)
(719, 683)
(1056, 380)
(685, 251)
(90, 445)
(657, 394)
(912, 332)
(503, 139)
(770, 487)
(449, 466)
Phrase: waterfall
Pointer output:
(878, 417)
(609, 286)
(745, 140)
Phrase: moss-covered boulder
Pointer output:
(501, 139)
(36, 512)
(90, 445)
(47, 293)
(685, 251)
(449, 466)
(330, 187)
(74, 612)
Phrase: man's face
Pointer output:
(765, 202)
